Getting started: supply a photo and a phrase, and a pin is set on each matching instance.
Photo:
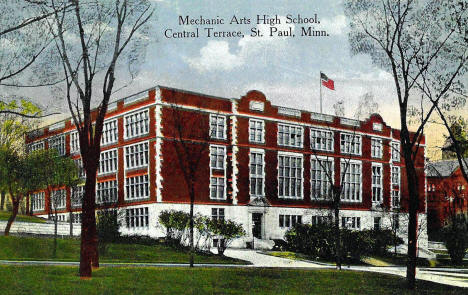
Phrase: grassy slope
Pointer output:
(4, 215)
(64, 280)
(21, 248)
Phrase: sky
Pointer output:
(285, 69)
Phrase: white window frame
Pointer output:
(62, 201)
(285, 135)
(354, 184)
(76, 218)
(143, 117)
(395, 186)
(255, 176)
(111, 187)
(110, 132)
(218, 213)
(320, 219)
(35, 146)
(377, 183)
(289, 220)
(350, 143)
(136, 155)
(355, 222)
(76, 195)
(284, 185)
(325, 185)
(61, 144)
(215, 125)
(254, 131)
(217, 188)
(79, 165)
(141, 184)
(74, 142)
(110, 157)
(322, 140)
(38, 201)
(376, 148)
(217, 155)
(395, 148)
(137, 217)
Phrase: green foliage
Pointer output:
(177, 224)
(226, 231)
(107, 227)
(456, 238)
(319, 241)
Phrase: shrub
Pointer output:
(107, 227)
(456, 239)
(319, 241)
(176, 223)
(226, 231)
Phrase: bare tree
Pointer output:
(426, 57)
(191, 143)
(92, 42)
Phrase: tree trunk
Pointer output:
(88, 255)
(54, 253)
(27, 205)
(14, 212)
(412, 210)
(336, 210)
(2, 201)
(192, 200)
(70, 217)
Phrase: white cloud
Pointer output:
(216, 55)
(334, 26)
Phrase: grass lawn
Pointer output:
(64, 280)
(4, 215)
(25, 248)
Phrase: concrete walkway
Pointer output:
(453, 277)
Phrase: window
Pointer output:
(217, 154)
(377, 222)
(351, 177)
(59, 199)
(106, 192)
(76, 218)
(79, 165)
(58, 143)
(218, 127)
(376, 148)
(35, 146)
(350, 144)
(351, 222)
(217, 188)
(395, 187)
(109, 132)
(256, 131)
(38, 201)
(395, 151)
(217, 213)
(289, 220)
(136, 155)
(137, 187)
(289, 176)
(74, 142)
(321, 170)
(320, 219)
(137, 217)
(290, 135)
(136, 124)
(108, 161)
(77, 194)
(377, 194)
(321, 140)
(257, 176)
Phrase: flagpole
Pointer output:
(320, 81)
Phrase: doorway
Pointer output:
(257, 225)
